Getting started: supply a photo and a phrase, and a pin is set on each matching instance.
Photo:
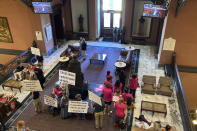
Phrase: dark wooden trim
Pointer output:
(71, 14)
(10, 51)
(87, 1)
(187, 69)
(182, 101)
(133, 9)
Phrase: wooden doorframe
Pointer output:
(102, 18)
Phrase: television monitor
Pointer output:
(151, 10)
(42, 7)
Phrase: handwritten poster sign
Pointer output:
(39, 35)
(169, 44)
(116, 98)
(77, 107)
(94, 97)
(67, 77)
(50, 101)
(31, 85)
(35, 51)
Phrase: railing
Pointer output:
(7, 68)
(183, 106)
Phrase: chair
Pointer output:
(165, 86)
(149, 84)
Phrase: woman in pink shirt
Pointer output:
(133, 84)
(110, 83)
(58, 91)
(117, 85)
(120, 111)
(107, 94)
(127, 95)
(108, 76)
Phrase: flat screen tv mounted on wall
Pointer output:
(42, 7)
(157, 11)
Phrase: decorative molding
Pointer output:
(10, 51)
(187, 69)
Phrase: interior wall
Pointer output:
(183, 29)
(140, 29)
(79, 7)
(45, 19)
(98, 18)
(189, 84)
(23, 23)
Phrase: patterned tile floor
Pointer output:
(148, 65)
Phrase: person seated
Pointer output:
(40, 59)
(18, 71)
(58, 92)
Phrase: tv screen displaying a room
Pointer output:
(42, 7)
(151, 10)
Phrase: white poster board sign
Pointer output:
(67, 77)
(39, 35)
(77, 107)
(94, 97)
(31, 85)
(116, 98)
(169, 44)
(50, 101)
(35, 51)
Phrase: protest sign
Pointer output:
(77, 107)
(67, 77)
(50, 101)
(94, 97)
(35, 51)
(116, 98)
(31, 85)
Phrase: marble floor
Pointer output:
(148, 65)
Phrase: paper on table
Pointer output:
(169, 44)
(35, 51)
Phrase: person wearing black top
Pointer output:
(122, 79)
(98, 113)
(40, 59)
(83, 47)
(40, 75)
(37, 101)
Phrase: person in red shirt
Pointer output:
(109, 76)
(117, 85)
(133, 84)
(58, 92)
(120, 112)
(126, 95)
(110, 83)
(107, 94)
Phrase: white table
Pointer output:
(120, 64)
(64, 59)
(130, 48)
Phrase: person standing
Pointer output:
(37, 102)
(120, 112)
(40, 75)
(98, 113)
(108, 94)
(133, 84)
(64, 107)
(118, 85)
(109, 76)
(83, 48)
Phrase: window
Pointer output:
(116, 20)
(107, 18)
(115, 5)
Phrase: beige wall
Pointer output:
(23, 23)
(189, 81)
(183, 29)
